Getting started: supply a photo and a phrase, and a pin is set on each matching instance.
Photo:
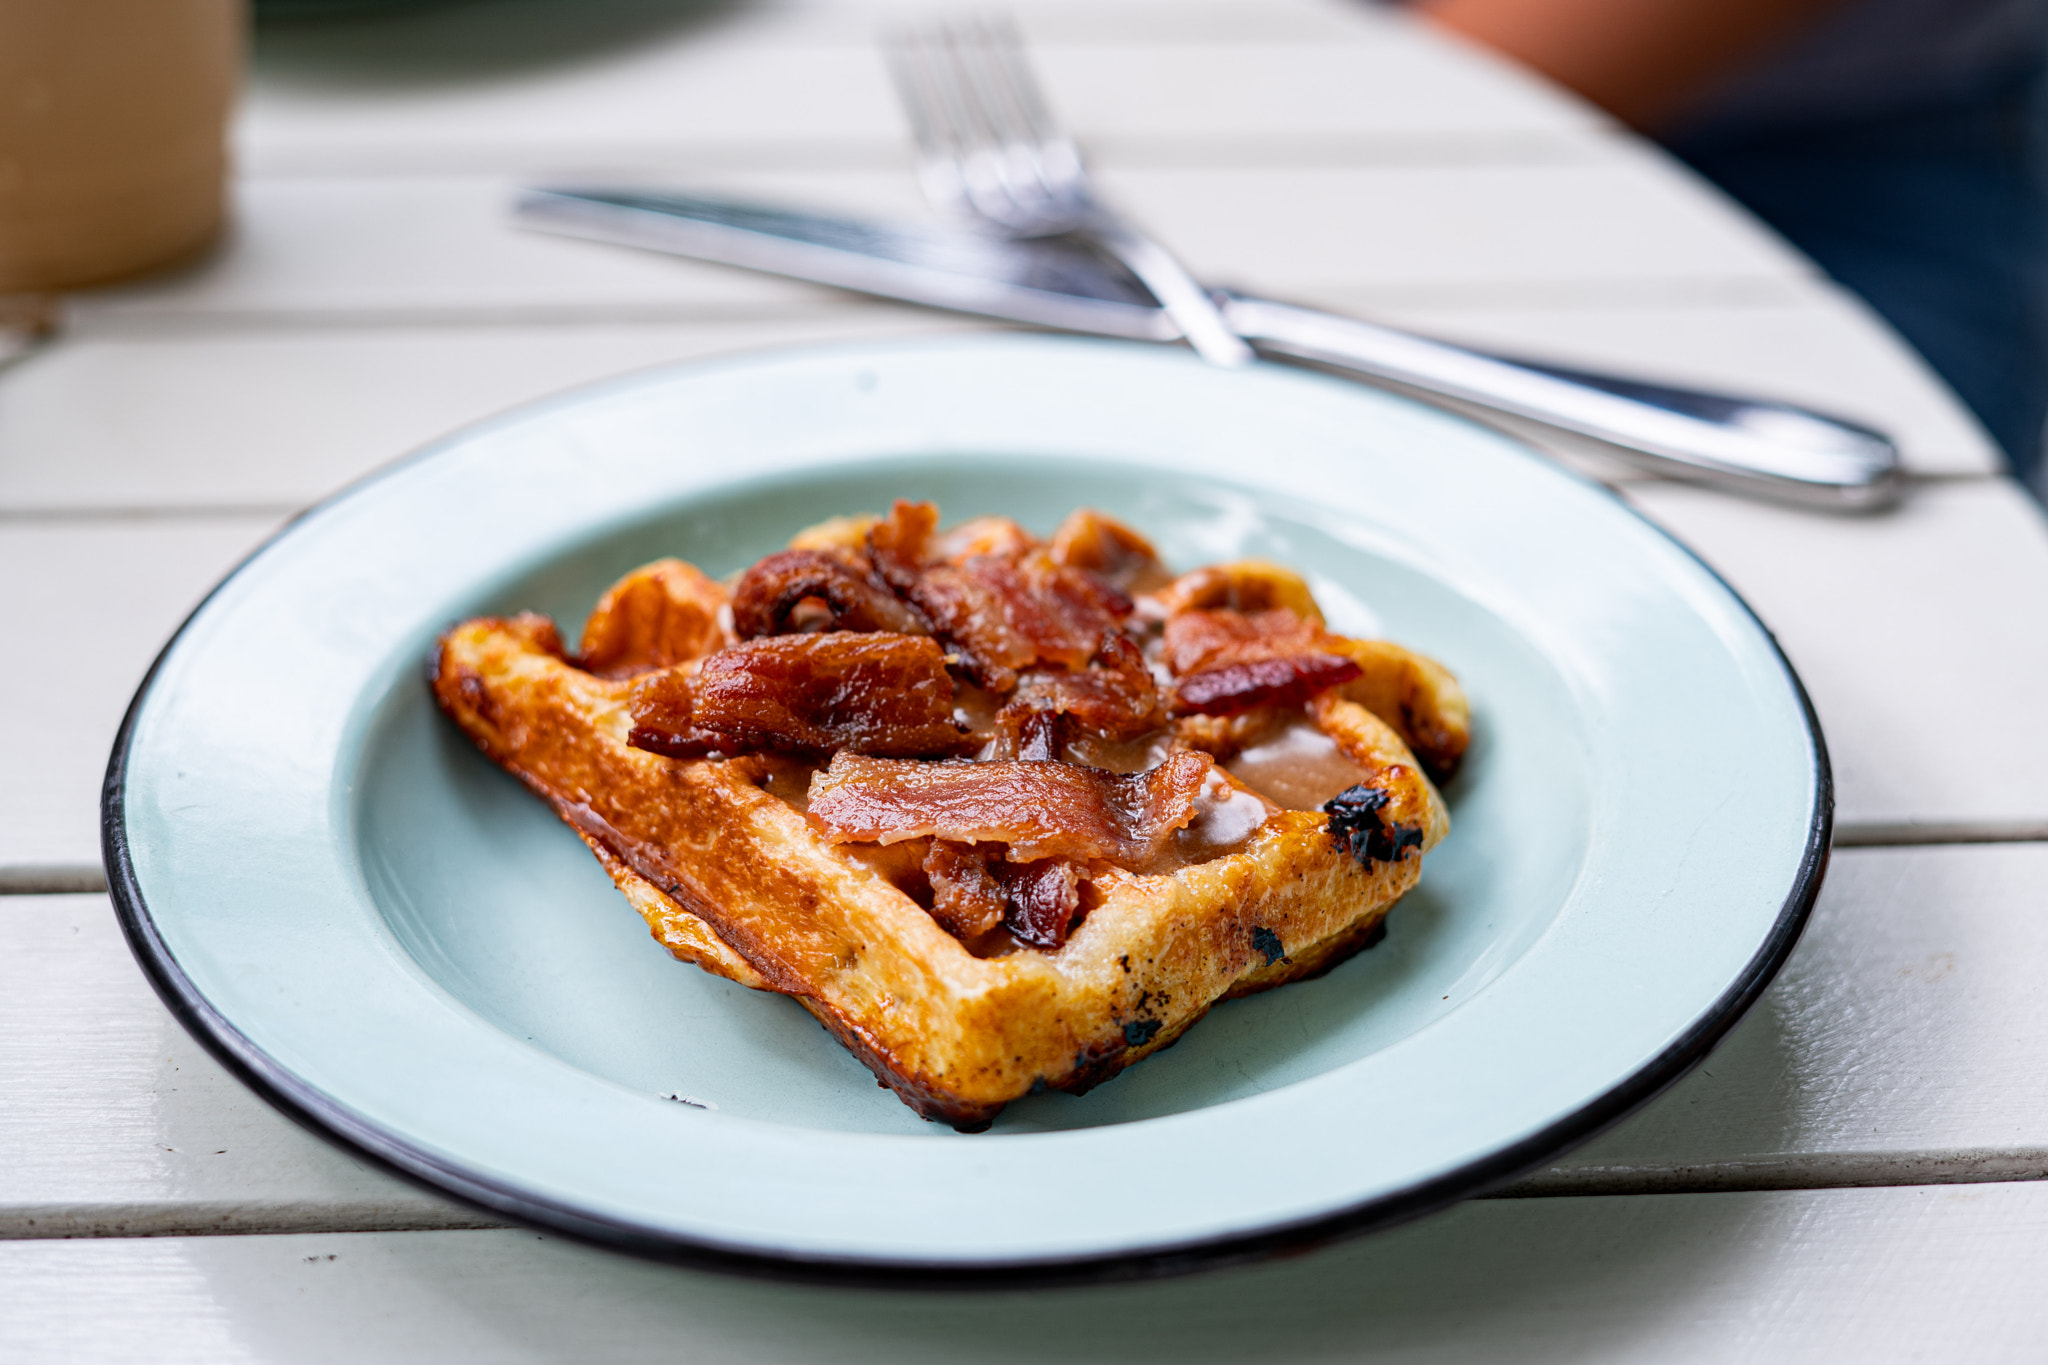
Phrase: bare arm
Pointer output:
(1643, 61)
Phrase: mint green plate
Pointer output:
(390, 939)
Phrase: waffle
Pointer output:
(1050, 885)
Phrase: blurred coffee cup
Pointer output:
(113, 122)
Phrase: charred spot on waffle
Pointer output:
(1268, 943)
(1358, 822)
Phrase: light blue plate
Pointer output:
(389, 937)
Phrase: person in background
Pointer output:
(1902, 144)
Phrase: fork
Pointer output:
(989, 148)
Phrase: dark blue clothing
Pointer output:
(1936, 215)
(1904, 147)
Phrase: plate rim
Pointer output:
(303, 1103)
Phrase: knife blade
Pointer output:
(1757, 447)
(1046, 283)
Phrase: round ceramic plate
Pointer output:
(388, 937)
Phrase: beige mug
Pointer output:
(113, 124)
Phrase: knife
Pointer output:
(1752, 446)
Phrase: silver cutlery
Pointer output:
(1751, 446)
(988, 149)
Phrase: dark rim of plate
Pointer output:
(315, 1111)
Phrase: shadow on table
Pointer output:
(1528, 1278)
(1742, 1103)
(438, 42)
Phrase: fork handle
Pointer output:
(1191, 306)
(1773, 449)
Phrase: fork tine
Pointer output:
(965, 141)
(986, 139)
(1002, 157)
(990, 144)
(1037, 145)
(907, 72)
(1010, 75)
(931, 98)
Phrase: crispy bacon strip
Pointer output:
(867, 692)
(1115, 698)
(1064, 612)
(1236, 688)
(967, 901)
(769, 594)
(1040, 810)
(1027, 732)
(901, 541)
(974, 895)
(1197, 639)
(981, 536)
(1002, 611)
(661, 706)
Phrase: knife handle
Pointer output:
(1773, 449)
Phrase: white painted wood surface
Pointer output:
(1907, 629)
(373, 297)
(1877, 1276)
(1611, 223)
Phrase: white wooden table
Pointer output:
(1845, 1178)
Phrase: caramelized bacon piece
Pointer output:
(1002, 611)
(981, 536)
(965, 612)
(1093, 543)
(967, 901)
(1064, 612)
(1116, 698)
(1285, 681)
(975, 892)
(769, 594)
(1027, 732)
(655, 617)
(1199, 639)
(1414, 694)
(1040, 810)
(968, 614)
(901, 541)
(867, 692)
(1044, 898)
(661, 705)
(1229, 662)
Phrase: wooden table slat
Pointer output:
(429, 247)
(1922, 636)
(716, 95)
(1865, 1275)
